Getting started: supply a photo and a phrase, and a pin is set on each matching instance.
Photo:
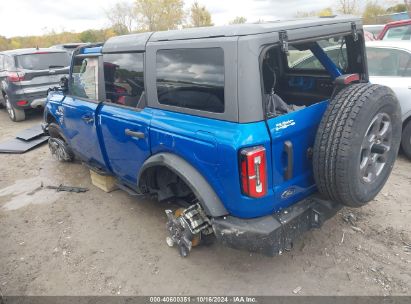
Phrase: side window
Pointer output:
(8, 63)
(84, 78)
(191, 78)
(388, 62)
(124, 78)
(1, 63)
(404, 65)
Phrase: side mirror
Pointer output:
(64, 84)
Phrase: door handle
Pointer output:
(139, 135)
(289, 150)
(88, 118)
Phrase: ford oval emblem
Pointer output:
(288, 193)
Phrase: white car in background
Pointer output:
(389, 64)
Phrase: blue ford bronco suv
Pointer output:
(220, 120)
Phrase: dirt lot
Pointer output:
(102, 244)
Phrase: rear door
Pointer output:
(78, 112)
(42, 70)
(124, 118)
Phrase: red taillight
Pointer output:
(22, 102)
(15, 76)
(351, 78)
(253, 171)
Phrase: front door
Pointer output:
(78, 113)
(124, 119)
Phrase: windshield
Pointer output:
(398, 33)
(43, 61)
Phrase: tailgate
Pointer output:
(292, 141)
(38, 82)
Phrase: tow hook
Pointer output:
(186, 228)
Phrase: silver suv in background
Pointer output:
(26, 75)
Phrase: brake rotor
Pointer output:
(197, 237)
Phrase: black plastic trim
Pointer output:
(194, 180)
(273, 234)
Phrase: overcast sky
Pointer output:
(36, 17)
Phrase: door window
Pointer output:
(191, 78)
(1, 63)
(84, 78)
(124, 79)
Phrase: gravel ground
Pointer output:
(103, 244)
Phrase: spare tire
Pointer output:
(357, 143)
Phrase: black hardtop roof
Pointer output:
(137, 42)
(32, 51)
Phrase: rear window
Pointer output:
(191, 78)
(304, 59)
(43, 61)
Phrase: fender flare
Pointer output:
(195, 181)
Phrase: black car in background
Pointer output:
(26, 75)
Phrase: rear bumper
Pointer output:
(273, 234)
(33, 101)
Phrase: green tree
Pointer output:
(399, 8)
(372, 11)
(158, 15)
(348, 7)
(328, 11)
(199, 16)
(321, 13)
(122, 18)
(238, 20)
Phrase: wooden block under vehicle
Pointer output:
(104, 182)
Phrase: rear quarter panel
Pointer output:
(211, 146)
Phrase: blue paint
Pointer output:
(124, 154)
(323, 58)
(300, 129)
(91, 50)
(211, 146)
(79, 125)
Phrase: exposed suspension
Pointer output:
(187, 228)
